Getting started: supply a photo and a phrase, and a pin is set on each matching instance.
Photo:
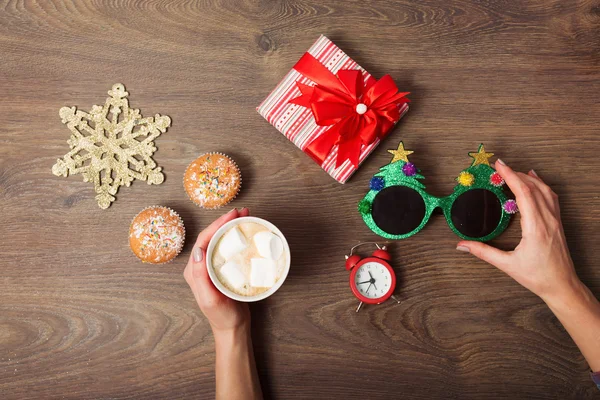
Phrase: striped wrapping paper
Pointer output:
(297, 123)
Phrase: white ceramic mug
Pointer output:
(213, 243)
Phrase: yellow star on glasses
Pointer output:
(400, 153)
(481, 157)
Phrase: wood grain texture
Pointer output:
(81, 318)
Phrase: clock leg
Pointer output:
(359, 306)
(395, 298)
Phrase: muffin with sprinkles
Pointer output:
(212, 180)
(156, 235)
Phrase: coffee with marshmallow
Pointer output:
(249, 259)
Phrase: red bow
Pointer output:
(359, 113)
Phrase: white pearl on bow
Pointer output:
(361, 108)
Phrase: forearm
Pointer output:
(236, 374)
(579, 312)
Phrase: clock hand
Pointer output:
(360, 283)
(372, 280)
(367, 291)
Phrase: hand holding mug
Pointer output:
(222, 312)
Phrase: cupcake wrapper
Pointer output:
(230, 200)
(182, 242)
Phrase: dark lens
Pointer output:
(476, 213)
(398, 210)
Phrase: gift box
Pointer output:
(333, 109)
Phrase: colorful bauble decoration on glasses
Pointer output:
(409, 169)
(377, 183)
(397, 205)
(357, 112)
(510, 206)
(496, 179)
(465, 178)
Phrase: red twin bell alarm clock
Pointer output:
(372, 279)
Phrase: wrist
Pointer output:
(231, 337)
(570, 294)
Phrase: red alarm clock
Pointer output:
(372, 279)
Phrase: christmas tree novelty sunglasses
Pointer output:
(397, 205)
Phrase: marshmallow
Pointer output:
(268, 245)
(233, 274)
(263, 272)
(232, 243)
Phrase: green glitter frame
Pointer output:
(481, 174)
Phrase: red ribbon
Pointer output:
(358, 112)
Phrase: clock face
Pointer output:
(373, 280)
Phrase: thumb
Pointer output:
(197, 277)
(487, 253)
(196, 273)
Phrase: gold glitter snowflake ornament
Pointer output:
(111, 145)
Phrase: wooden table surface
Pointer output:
(82, 318)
